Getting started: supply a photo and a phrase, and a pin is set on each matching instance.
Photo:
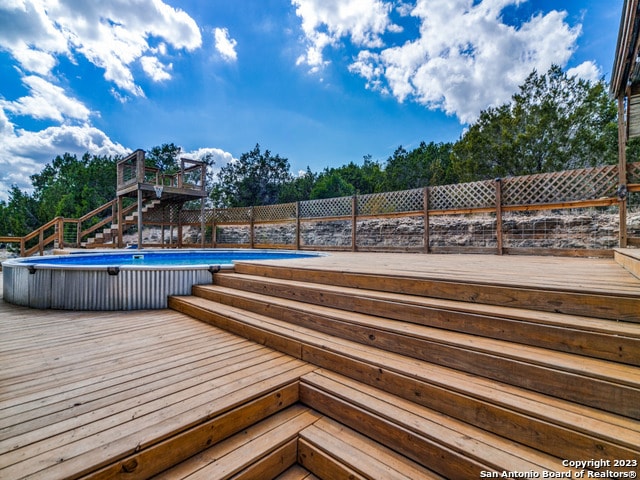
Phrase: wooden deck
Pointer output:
(81, 390)
(133, 394)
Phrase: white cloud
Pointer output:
(464, 58)
(25, 153)
(220, 157)
(587, 71)
(46, 102)
(119, 36)
(225, 45)
(326, 22)
(155, 69)
(112, 35)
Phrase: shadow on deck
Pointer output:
(347, 366)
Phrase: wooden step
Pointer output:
(439, 443)
(598, 383)
(137, 453)
(262, 451)
(296, 472)
(629, 258)
(616, 306)
(331, 450)
(552, 425)
(598, 338)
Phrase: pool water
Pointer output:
(151, 258)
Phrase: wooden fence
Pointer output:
(414, 220)
(511, 215)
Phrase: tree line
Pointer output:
(554, 122)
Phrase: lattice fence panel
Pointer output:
(558, 187)
(233, 215)
(164, 213)
(282, 211)
(633, 173)
(326, 207)
(192, 217)
(463, 196)
(391, 202)
(209, 215)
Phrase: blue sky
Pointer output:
(320, 82)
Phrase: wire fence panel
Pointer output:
(326, 234)
(239, 235)
(463, 231)
(282, 234)
(579, 228)
(404, 233)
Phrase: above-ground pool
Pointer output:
(123, 280)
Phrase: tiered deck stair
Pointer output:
(346, 370)
(454, 378)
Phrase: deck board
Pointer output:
(81, 389)
(601, 275)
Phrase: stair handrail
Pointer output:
(109, 219)
(56, 236)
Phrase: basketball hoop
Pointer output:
(158, 189)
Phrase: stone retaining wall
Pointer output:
(523, 230)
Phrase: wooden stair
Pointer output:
(445, 385)
(108, 234)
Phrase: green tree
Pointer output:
(254, 179)
(555, 122)
(365, 178)
(330, 185)
(428, 164)
(165, 157)
(70, 187)
(298, 188)
(19, 215)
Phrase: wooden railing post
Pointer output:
(498, 183)
(213, 227)
(79, 234)
(139, 219)
(251, 228)
(120, 223)
(622, 173)
(425, 202)
(60, 228)
(202, 222)
(297, 239)
(354, 223)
